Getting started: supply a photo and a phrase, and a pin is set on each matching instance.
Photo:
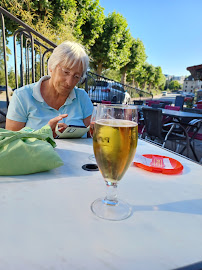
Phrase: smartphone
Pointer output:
(77, 126)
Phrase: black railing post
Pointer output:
(5, 59)
(21, 58)
(15, 60)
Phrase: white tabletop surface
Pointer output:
(46, 221)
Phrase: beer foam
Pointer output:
(116, 123)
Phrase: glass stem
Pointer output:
(111, 194)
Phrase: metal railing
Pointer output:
(101, 88)
(29, 45)
(31, 52)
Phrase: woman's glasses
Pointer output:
(67, 72)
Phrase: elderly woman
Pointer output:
(54, 97)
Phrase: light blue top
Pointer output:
(27, 105)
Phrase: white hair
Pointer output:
(69, 54)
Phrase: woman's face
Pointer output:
(64, 79)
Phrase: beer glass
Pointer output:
(114, 143)
(92, 123)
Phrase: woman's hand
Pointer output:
(61, 126)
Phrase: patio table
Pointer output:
(46, 221)
(176, 114)
(181, 114)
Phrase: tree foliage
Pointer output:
(59, 20)
(112, 47)
(90, 20)
(2, 68)
(40, 16)
(112, 74)
(136, 59)
(113, 51)
(174, 85)
(160, 79)
(147, 76)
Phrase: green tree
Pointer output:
(150, 75)
(174, 85)
(40, 16)
(90, 21)
(11, 78)
(144, 76)
(159, 79)
(112, 47)
(140, 77)
(136, 59)
(112, 74)
(2, 67)
(59, 20)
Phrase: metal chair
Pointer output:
(150, 102)
(193, 128)
(138, 102)
(168, 119)
(199, 106)
(154, 130)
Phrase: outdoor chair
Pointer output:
(179, 101)
(193, 128)
(155, 130)
(199, 106)
(138, 102)
(150, 102)
(168, 119)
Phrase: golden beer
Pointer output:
(114, 143)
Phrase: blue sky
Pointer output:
(171, 30)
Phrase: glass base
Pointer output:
(119, 211)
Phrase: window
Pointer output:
(115, 86)
(101, 83)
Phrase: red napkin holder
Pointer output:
(157, 164)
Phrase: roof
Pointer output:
(196, 72)
(195, 67)
(189, 78)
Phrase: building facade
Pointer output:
(190, 85)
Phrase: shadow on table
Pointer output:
(186, 207)
(194, 266)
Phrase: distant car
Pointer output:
(187, 94)
(164, 93)
(107, 91)
(3, 89)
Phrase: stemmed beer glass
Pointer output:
(92, 123)
(114, 142)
